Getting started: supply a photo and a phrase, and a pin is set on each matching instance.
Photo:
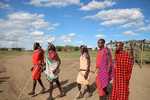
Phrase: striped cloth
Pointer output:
(36, 72)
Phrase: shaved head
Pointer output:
(101, 43)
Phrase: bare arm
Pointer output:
(88, 68)
(59, 61)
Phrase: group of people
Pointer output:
(109, 73)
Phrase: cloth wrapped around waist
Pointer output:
(50, 68)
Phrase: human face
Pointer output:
(100, 44)
(49, 47)
(119, 46)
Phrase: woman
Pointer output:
(38, 61)
(83, 75)
(52, 69)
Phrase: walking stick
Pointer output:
(142, 53)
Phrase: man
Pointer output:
(38, 61)
(122, 73)
(104, 69)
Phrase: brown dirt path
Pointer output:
(15, 78)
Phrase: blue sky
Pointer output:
(72, 22)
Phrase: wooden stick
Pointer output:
(142, 54)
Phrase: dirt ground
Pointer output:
(16, 82)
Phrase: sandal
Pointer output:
(31, 93)
(49, 98)
(62, 94)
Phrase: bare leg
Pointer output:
(80, 95)
(103, 98)
(60, 88)
(40, 82)
(33, 89)
(107, 94)
(50, 90)
(88, 90)
(100, 98)
(79, 87)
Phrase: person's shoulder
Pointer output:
(40, 51)
(125, 53)
(36, 51)
(107, 48)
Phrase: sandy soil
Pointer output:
(16, 82)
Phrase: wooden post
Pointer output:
(142, 53)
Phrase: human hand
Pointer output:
(31, 68)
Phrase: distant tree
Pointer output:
(59, 48)
(76, 48)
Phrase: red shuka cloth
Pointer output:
(37, 60)
(122, 74)
(104, 64)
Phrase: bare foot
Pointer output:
(80, 95)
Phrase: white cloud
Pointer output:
(56, 3)
(4, 5)
(37, 33)
(129, 33)
(145, 28)
(35, 21)
(97, 5)
(68, 38)
(80, 42)
(53, 26)
(123, 17)
(21, 29)
(100, 36)
(71, 34)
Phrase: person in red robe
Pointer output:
(122, 73)
(38, 61)
(103, 69)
